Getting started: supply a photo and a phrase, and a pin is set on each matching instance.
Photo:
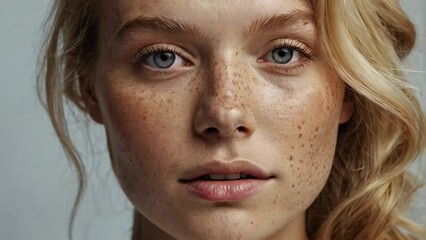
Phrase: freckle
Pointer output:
(312, 145)
(291, 158)
(303, 145)
(300, 135)
(316, 129)
(299, 127)
(292, 147)
(292, 186)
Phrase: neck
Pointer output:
(296, 230)
(145, 229)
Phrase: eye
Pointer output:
(284, 55)
(163, 59)
(287, 56)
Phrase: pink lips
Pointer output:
(226, 191)
(198, 183)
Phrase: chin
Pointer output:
(225, 222)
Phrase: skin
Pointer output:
(283, 118)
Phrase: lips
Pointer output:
(218, 177)
(226, 181)
(218, 170)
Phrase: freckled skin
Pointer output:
(156, 128)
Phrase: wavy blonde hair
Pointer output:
(365, 41)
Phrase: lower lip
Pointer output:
(226, 191)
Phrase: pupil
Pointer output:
(282, 55)
(164, 57)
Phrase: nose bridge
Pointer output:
(225, 83)
(223, 111)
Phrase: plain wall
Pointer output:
(37, 185)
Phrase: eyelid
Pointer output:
(292, 69)
(301, 47)
(162, 47)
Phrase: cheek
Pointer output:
(310, 127)
(317, 142)
(138, 126)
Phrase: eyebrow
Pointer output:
(162, 24)
(171, 26)
(279, 22)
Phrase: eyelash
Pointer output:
(154, 49)
(296, 45)
(300, 47)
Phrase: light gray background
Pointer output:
(36, 184)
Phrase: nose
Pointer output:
(223, 111)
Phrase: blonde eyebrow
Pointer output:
(162, 24)
(278, 22)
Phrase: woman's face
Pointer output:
(221, 116)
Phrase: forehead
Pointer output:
(116, 13)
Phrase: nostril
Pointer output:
(212, 130)
(241, 129)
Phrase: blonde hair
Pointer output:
(365, 41)
(369, 187)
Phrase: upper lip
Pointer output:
(238, 166)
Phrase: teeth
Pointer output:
(233, 176)
(217, 176)
(227, 176)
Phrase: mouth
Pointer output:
(222, 171)
(226, 181)
(226, 177)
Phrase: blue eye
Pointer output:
(282, 55)
(287, 57)
(161, 59)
